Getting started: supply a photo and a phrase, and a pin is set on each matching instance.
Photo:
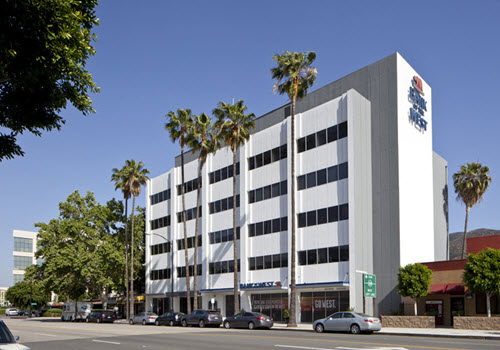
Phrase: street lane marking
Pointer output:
(299, 347)
(309, 348)
(47, 335)
(104, 341)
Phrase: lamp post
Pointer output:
(171, 301)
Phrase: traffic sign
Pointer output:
(369, 285)
(34, 304)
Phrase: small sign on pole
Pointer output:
(369, 286)
(33, 304)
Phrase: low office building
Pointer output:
(23, 253)
(370, 197)
(3, 301)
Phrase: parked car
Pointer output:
(11, 312)
(353, 322)
(170, 318)
(248, 320)
(101, 316)
(144, 318)
(7, 341)
(202, 318)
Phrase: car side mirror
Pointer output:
(17, 338)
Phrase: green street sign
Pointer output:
(369, 286)
(33, 304)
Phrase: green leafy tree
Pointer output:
(294, 76)
(482, 274)
(135, 177)
(202, 140)
(233, 128)
(178, 127)
(470, 182)
(24, 293)
(414, 281)
(44, 46)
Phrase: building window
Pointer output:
(219, 267)
(224, 235)
(322, 137)
(160, 197)
(18, 278)
(190, 243)
(23, 245)
(267, 192)
(223, 173)
(272, 304)
(223, 204)
(323, 255)
(323, 176)
(267, 227)
(160, 248)
(316, 305)
(318, 217)
(190, 214)
(161, 222)
(189, 186)
(22, 262)
(267, 157)
(268, 262)
(181, 271)
(163, 274)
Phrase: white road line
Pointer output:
(47, 335)
(300, 347)
(104, 341)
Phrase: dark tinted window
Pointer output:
(301, 145)
(311, 218)
(333, 174)
(311, 257)
(302, 257)
(333, 254)
(332, 133)
(322, 216)
(301, 182)
(344, 212)
(344, 253)
(321, 137)
(321, 177)
(343, 171)
(322, 255)
(333, 214)
(302, 220)
(311, 141)
(342, 130)
(311, 180)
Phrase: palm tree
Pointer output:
(136, 176)
(202, 140)
(120, 179)
(233, 128)
(470, 182)
(179, 126)
(294, 75)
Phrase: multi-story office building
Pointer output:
(24, 252)
(370, 197)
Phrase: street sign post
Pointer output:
(369, 286)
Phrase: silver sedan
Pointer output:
(144, 318)
(353, 322)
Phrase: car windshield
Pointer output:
(5, 335)
(362, 315)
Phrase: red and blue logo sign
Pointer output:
(419, 104)
(417, 84)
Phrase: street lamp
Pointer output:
(171, 302)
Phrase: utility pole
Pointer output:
(31, 294)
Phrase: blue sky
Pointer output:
(157, 56)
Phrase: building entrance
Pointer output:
(270, 304)
(316, 305)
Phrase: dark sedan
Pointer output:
(101, 316)
(249, 320)
(170, 318)
(202, 318)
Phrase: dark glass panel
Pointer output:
(333, 254)
(311, 141)
(302, 258)
(322, 255)
(301, 145)
(332, 133)
(322, 216)
(301, 182)
(302, 220)
(343, 130)
(343, 212)
(321, 177)
(333, 214)
(311, 180)
(321, 137)
(311, 218)
(343, 171)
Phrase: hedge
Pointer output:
(2, 311)
(53, 313)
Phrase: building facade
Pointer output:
(3, 301)
(23, 253)
(369, 198)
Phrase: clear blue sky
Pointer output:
(157, 56)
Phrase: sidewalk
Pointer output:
(422, 332)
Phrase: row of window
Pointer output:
(190, 214)
(224, 204)
(222, 267)
(22, 262)
(181, 271)
(323, 255)
(266, 192)
(160, 222)
(268, 262)
(190, 242)
(323, 176)
(224, 235)
(324, 215)
(160, 197)
(23, 245)
(160, 248)
(322, 137)
(269, 226)
(267, 157)
(163, 274)
(223, 173)
(189, 186)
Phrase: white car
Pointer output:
(11, 312)
(144, 318)
(7, 341)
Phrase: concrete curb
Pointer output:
(463, 336)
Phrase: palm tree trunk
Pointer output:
(235, 242)
(195, 272)
(464, 244)
(186, 257)
(126, 260)
(293, 292)
(132, 246)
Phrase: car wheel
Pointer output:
(157, 322)
(355, 329)
(171, 323)
(184, 323)
(131, 321)
(319, 328)
(251, 325)
(143, 322)
(227, 325)
(201, 323)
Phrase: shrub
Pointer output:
(53, 313)
(2, 311)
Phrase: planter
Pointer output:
(408, 321)
(481, 323)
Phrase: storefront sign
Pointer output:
(419, 104)
(260, 285)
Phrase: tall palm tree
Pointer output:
(121, 183)
(201, 140)
(294, 75)
(136, 176)
(470, 182)
(233, 128)
(179, 126)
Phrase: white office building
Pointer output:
(371, 196)
(23, 253)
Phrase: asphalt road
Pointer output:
(39, 335)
